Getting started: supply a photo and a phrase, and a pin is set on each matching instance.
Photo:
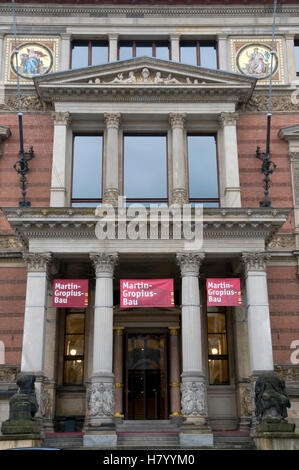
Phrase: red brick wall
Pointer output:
(251, 131)
(12, 304)
(283, 290)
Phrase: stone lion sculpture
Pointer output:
(271, 399)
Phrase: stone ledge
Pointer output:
(14, 441)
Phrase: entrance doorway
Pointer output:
(146, 391)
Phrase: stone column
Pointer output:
(175, 396)
(62, 149)
(175, 47)
(259, 328)
(101, 394)
(33, 350)
(113, 44)
(229, 182)
(291, 61)
(222, 52)
(193, 387)
(118, 370)
(111, 176)
(179, 190)
(65, 51)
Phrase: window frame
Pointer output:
(145, 200)
(296, 44)
(204, 200)
(87, 200)
(198, 43)
(152, 41)
(219, 356)
(66, 357)
(89, 53)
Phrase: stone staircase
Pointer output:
(63, 440)
(147, 434)
(238, 440)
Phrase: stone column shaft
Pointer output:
(61, 148)
(113, 43)
(65, 52)
(118, 371)
(179, 191)
(101, 401)
(175, 47)
(259, 328)
(193, 381)
(231, 181)
(111, 182)
(175, 396)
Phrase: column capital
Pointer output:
(294, 156)
(228, 119)
(118, 330)
(104, 263)
(174, 330)
(61, 118)
(37, 262)
(256, 261)
(190, 262)
(113, 36)
(112, 120)
(66, 36)
(174, 36)
(177, 120)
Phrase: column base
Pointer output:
(101, 402)
(193, 435)
(105, 438)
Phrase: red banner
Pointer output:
(224, 292)
(146, 293)
(70, 293)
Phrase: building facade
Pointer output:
(162, 103)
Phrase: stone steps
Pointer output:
(237, 440)
(63, 440)
(146, 433)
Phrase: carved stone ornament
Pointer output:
(255, 261)
(193, 400)
(228, 119)
(101, 400)
(179, 196)
(10, 243)
(61, 118)
(37, 262)
(282, 241)
(260, 103)
(28, 103)
(190, 262)
(112, 119)
(177, 120)
(110, 197)
(294, 156)
(271, 399)
(104, 263)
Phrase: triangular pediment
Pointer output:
(289, 132)
(143, 73)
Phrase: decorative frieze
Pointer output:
(255, 261)
(37, 262)
(104, 262)
(286, 241)
(28, 103)
(193, 398)
(279, 103)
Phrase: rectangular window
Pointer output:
(85, 53)
(74, 348)
(132, 48)
(87, 170)
(145, 168)
(202, 53)
(217, 345)
(202, 170)
(297, 56)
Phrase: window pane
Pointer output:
(189, 53)
(79, 54)
(99, 52)
(144, 48)
(162, 50)
(125, 50)
(202, 163)
(87, 167)
(297, 56)
(73, 372)
(74, 345)
(218, 371)
(217, 344)
(216, 323)
(75, 323)
(145, 174)
(208, 56)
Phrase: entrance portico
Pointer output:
(161, 355)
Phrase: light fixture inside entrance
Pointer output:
(73, 352)
(214, 351)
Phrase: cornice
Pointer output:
(148, 11)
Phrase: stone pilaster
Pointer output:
(175, 47)
(179, 191)
(62, 149)
(118, 370)
(113, 43)
(101, 388)
(175, 396)
(229, 165)
(259, 329)
(111, 166)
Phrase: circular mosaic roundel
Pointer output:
(33, 59)
(255, 60)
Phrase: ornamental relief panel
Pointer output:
(37, 55)
(252, 56)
